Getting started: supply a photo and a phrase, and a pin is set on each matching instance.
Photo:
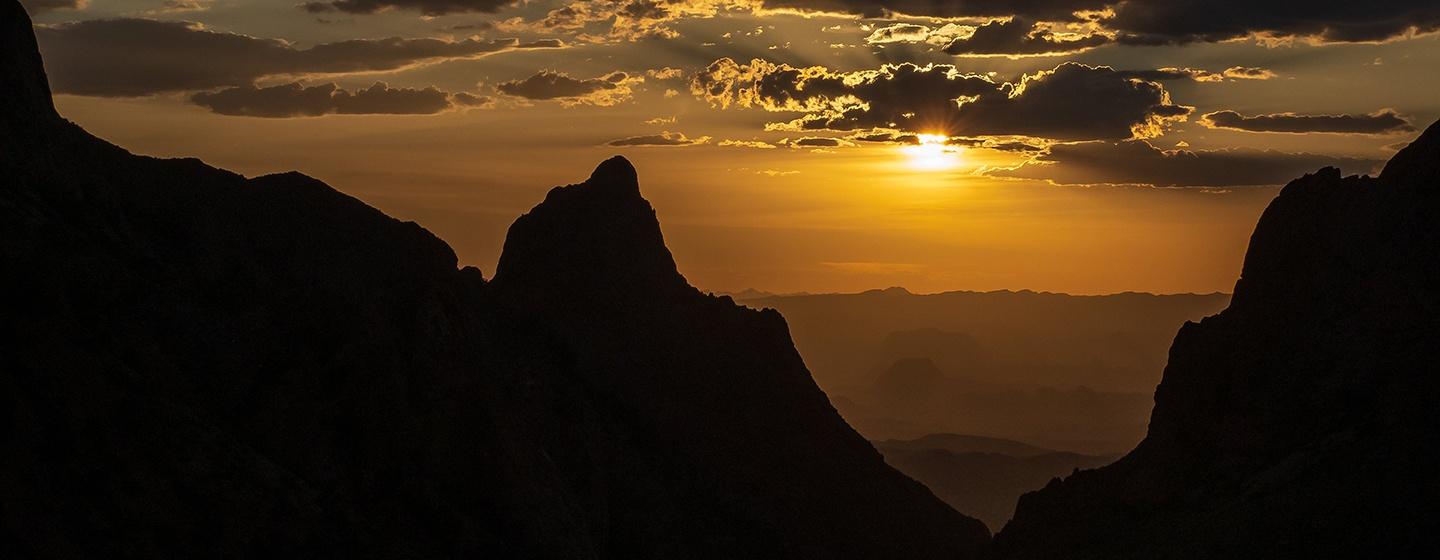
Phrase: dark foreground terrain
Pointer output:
(197, 364)
(1300, 422)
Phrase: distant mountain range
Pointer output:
(1067, 372)
(982, 476)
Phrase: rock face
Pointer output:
(1301, 421)
(197, 364)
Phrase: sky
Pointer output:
(1080, 146)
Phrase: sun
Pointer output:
(932, 153)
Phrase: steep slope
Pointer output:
(197, 364)
(713, 386)
(1300, 422)
(982, 476)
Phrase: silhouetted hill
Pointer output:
(197, 364)
(962, 443)
(1062, 371)
(1301, 421)
(907, 382)
(1019, 339)
(982, 476)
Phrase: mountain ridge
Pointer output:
(203, 364)
(1290, 424)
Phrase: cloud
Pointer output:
(134, 57)
(1172, 22)
(1384, 121)
(898, 33)
(426, 7)
(666, 73)
(296, 100)
(817, 142)
(545, 85)
(1042, 10)
(470, 100)
(41, 6)
(1071, 102)
(601, 21)
(666, 138)
(748, 144)
(886, 137)
(1175, 21)
(1232, 73)
(1248, 73)
(1138, 162)
(1021, 37)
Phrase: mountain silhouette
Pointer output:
(1300, 422)
(982, 476)
(202, 364)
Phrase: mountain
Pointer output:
(200, 364)
(1300, 422)
(982, 476)
(962, 443)
(1058, 370)
(1021, 339)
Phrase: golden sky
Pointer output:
(1082, 146)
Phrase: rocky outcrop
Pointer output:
(1299, 422)
(197, 364)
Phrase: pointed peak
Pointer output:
(616, 171)
(28, 90)
(590, 237)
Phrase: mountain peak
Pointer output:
(1417, 163)
(616, 171)
(597, 233)
(28, 91)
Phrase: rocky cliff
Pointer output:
(199, 364)
(1300, 422)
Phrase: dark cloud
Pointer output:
(1020, 36)
(296, 100)
(554, 85)
(1380, 122)
(1138, 162)
(427, 7)
(42, 6)
(1042, 10)
(1071, 102)
(666, 138)
(899, 33)
(887, 137)
(463, 99)
(131, 57)
(1179, 21)
(1182, 21)
(817, 142)
(1231, 74)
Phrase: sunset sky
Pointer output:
(1082, 146)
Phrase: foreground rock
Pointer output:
(197, 364)
(1301, 421)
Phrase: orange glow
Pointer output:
(932, 153)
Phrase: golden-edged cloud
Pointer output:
(297, 100)
(1071, 102)
(1384, 121)
(1138, 162)
(545, 85)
